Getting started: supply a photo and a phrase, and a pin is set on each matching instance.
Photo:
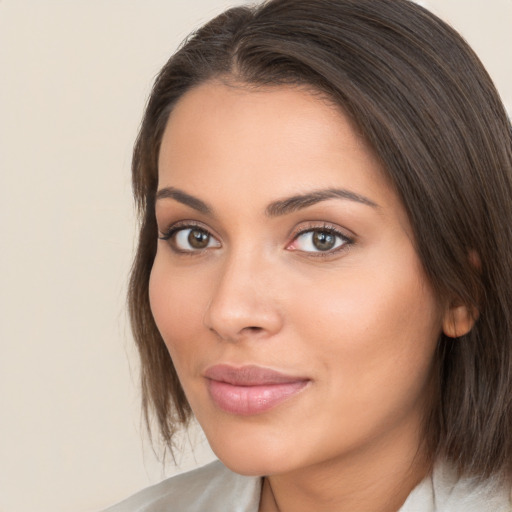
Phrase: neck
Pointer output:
(377, 479)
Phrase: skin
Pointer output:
(360, 321)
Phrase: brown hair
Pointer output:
(431, 113)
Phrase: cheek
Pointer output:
(373, 305)
(375, 332)
(177, 304)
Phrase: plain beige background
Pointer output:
(74, 78)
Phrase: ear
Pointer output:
(459, 319)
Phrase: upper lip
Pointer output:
(249, 375)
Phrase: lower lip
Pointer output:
(250, 400)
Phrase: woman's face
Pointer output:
(286, 285)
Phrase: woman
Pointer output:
(322, 277)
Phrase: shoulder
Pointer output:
(444, 491)
(211, 487)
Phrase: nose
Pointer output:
(244, 302)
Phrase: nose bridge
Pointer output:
(243, 301)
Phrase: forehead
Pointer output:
(281, 140)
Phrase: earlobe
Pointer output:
(459, 320)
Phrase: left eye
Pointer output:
(318, 240)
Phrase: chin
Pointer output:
(253, 453)
(258, 465)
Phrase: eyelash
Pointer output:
(324, 228)
(182, 226)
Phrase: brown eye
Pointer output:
(198, 239)
(320, 240)
(191, 239)
(323, 240)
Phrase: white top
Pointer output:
(214, 488)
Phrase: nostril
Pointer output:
(250, 329)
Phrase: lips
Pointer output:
(250, 390)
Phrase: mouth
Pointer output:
(250, 390)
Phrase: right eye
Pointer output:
(190, 239)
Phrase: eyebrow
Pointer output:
(184, 198)
(298, 202)
(276, 208)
